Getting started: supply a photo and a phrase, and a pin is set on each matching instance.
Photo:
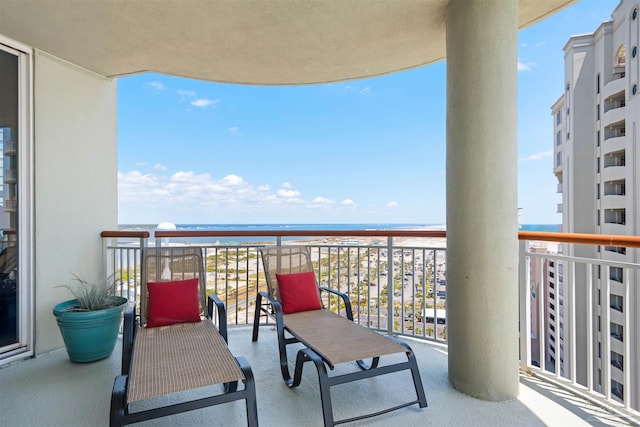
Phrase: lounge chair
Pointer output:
(171, 349)
(293, 299)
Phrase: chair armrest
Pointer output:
(271, 300)
(277, 306)
(128, 335)
(345, 299)
(222, 314)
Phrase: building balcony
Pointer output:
(614, 143)
(46, 386)
(613, 173)
(613, 201)
(10, 148)
(550, 391)
(10, 176)
(614, 115)
(617, 85)
(361, 267)
(10, 205)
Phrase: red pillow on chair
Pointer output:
(298, 292)
(173, 302)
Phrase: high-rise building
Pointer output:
(597, 164)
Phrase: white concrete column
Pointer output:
(482, 214)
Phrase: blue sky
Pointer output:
(363, 151)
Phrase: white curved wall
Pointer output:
(75, 182)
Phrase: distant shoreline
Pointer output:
(334, 226)
(333, 240)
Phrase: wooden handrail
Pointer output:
(582, 238)
(304, 233)
(577, 238)
(138, 234)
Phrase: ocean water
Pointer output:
(293, 227)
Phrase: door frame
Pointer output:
(25, 236)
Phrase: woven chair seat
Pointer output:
(346, 342)
(179, 357)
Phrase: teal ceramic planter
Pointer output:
(89, 335)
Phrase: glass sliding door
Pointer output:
(15, 307)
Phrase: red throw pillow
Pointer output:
(173, 302)
(298, 292)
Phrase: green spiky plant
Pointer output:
(93, 296)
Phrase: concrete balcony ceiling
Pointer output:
(253, 42)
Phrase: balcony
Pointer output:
(10, 205)
(615, 86)
(49, 382)
(615, 130)
(613, 201)
(362, 264)
(615, 100)
(613, 173)
(10, 148)
(10, 176)
(615, 114)
(91, 205)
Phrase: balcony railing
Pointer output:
(588, 337)
(394, 285)
(397, 284)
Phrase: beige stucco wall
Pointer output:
(75, 182)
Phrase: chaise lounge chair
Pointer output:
(171, 349)
(293, 298)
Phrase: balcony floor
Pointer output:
(51, 391)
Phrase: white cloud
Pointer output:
(392, 204)
(525, 66)
(537, 156)
(133, 184)
(186, 92)
(233, 180)
(190, 194)
(201, 103)
(321, 202)
(157, 85)
(287, 194)
(365, 92)
(234, 129)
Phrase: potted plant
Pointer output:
(90, 322)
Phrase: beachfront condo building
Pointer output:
(597, 164)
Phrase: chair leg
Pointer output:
(282, 349)
(306, 355)
(250, 393)
(118, 401)
(417, 381)
(256, 318)
(415, 373)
